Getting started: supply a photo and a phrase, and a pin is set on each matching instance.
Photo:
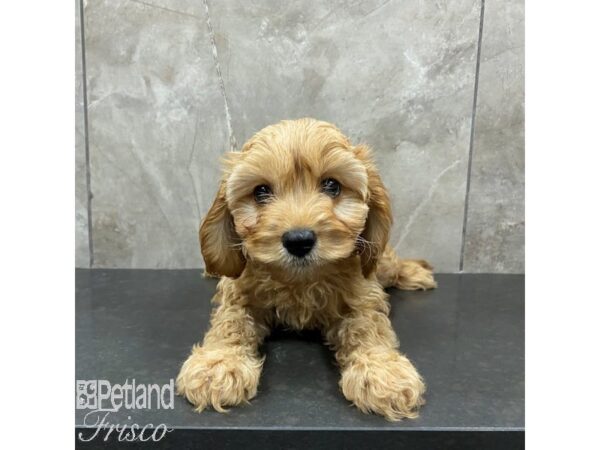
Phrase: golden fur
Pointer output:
(337, 287)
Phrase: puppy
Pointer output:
(299, 232)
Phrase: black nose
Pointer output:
(299, 242)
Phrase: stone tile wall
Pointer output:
(172, 84)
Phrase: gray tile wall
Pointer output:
(172, 84)
(495, 227)
(82, 243)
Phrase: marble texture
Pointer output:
(396, 75)
(157, 126)
(82, 247)
(172, 84)
(495, 226)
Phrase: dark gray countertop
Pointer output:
(466, 338)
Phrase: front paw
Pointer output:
(219, 377)
(384, 383)
(415, 274)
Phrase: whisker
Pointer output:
(366, 245)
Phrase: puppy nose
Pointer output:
(299, 242)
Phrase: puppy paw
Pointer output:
(219, 377)
(384, 383)
(415, 274)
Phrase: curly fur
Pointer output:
(337, 287)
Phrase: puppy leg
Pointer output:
(375, 376)
(406, 274)
(225, 370)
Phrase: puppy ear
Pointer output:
(219, 242)
(379, 219)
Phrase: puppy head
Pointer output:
(297, 197)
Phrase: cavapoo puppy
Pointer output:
(299, 234)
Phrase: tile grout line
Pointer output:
(88, 178)
(211, 33)
(472, 135)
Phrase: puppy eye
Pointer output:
(262, 193)
(331, 187)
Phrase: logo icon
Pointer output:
(86, 394)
